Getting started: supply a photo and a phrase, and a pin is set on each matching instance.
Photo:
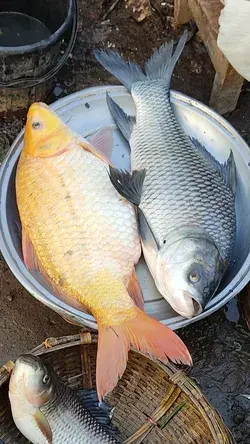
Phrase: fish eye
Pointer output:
(36, 125)
(194, 277)
(45, 379)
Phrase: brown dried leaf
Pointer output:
(138, 9)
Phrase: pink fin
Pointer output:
(29, 257)
(134, 291)
(100, 145)
(43, 426)
(32, 263)
(144, 334)
(60, 293)
(103, 141)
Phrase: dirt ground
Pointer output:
(221, 344)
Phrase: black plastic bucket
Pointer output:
(31, 36)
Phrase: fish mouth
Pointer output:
(32, 361)
(198, 309)
(188, 306)
(194, 307)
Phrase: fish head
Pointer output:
(45, 133)
(188, 272)
(31, 381)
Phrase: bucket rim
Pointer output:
(45, 43)
(31, 284)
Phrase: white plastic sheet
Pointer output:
(234, 35)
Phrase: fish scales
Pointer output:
(71, 423)
(86, 216)
(180, 185)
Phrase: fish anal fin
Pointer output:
(144, 334)
(29, 256)
(128, 185)
(32, 263)
(60, 294)
(43, 426)
(134, 291)
(124, 122)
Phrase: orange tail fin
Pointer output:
(144, 334)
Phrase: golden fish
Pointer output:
(83, 237)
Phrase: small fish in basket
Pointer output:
(83, 237)
(47, 412)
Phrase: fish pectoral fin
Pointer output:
(134, 291)
(124, 122)
(103, 412)
(227, 170)
(29, 256)
(127, 184)
(103, 140)
(146, 233)
(43, 426)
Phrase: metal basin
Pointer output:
(86, 111)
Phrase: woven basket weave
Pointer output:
(155, 403)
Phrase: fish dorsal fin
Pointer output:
(227, 170)
(103, 144)
(100, 411)
(43, 426)
(124, 122)
(128, 185)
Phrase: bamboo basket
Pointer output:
(155, 403)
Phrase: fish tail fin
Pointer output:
(162, 63)
(142, 333)
(159, 66)
(127, 72)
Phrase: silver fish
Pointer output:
(47, 412)
(186, 199)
